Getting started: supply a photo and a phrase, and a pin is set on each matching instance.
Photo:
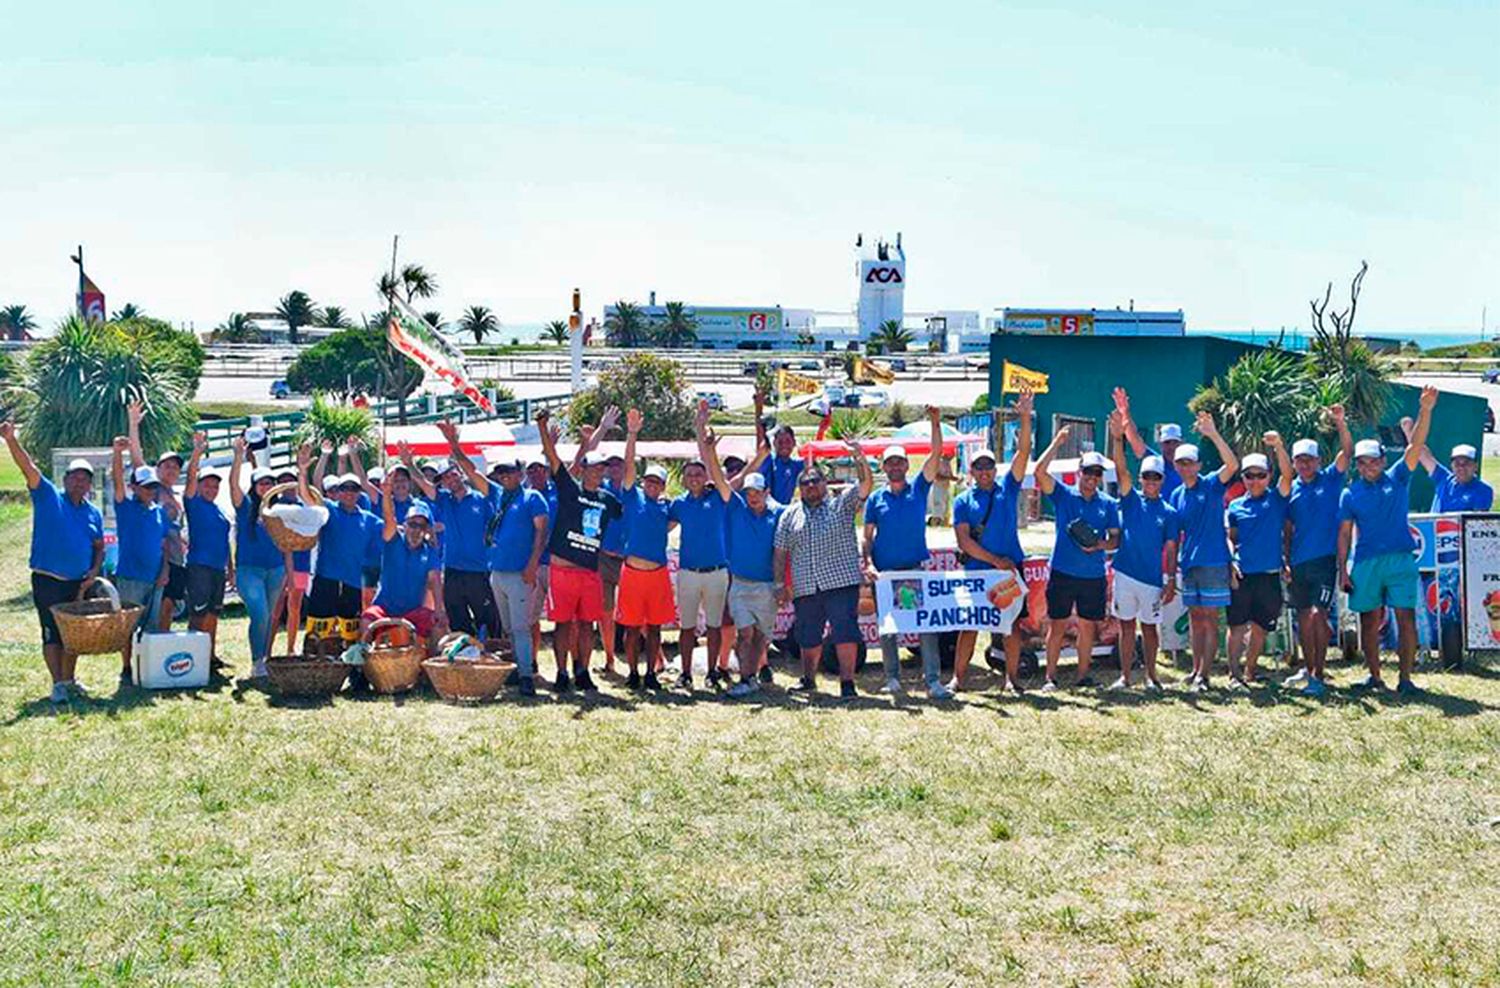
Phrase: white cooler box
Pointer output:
(171, 660)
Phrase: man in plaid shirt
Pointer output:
(818, 536)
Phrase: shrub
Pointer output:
(351, 361)
(655, 385)
(336, 422)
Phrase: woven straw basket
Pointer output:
(287, 540)
(392, 667)
(310, 674)
(466, 682)
(96, 626)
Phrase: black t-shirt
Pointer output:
(582, 517)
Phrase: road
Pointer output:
(1464, 384)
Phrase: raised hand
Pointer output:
(1272, 439)
(1061, 435)
(1336, 413)
(555, 431)
(1429, 398)
(355, 444)
(448, 429)
(1026, 400)
(701, 415)
(238, 444)
(326, 447)
(121, 444)
(585, 434)
(1122, 401)
(934, 413)
(608, 421)
(304, 455)
(1205, 425)
(1116, 424)
(135, 412)
(403, 450)
(387, 483)
(200, 442)
(541, 418)
(7, 430)
(711, 439)
(633, 421)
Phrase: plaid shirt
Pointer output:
(822, 543)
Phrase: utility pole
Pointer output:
(575, 341)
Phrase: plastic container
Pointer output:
(172, 660)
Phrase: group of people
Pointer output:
(489, 549)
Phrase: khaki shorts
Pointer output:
(609, 572)
(536, 605)
(753, 604)
(701, 592)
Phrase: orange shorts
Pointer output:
(575, 595)
(644, 598)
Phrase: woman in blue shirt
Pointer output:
(333, 606)
(260, 567)
(209, 567)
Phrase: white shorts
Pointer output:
(1135, 601)
(701, 592)
(753, 603)
(1011, 611)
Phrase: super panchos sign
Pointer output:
(883, 276)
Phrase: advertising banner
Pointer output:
(1013, 377)
(914, 601)
(1481, 581)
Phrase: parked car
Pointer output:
(811, 365)
(1491, 376)
(280, 389)
(714, 399)
(898, 364)
(873, 397)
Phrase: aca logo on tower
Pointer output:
(884, 276)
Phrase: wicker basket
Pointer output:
(389, 667)
(287, 540)
(310, 674)
(97, 626)
(466, 681)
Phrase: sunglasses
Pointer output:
(1151, 476)
(809, 481)
(1256, 475)
(1093, 471)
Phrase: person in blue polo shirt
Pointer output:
(1374, 508)
(1203, 545)
(141, 542)
(462, 503)
(751, 539)
(260, 567)
(1088, 526)
(1456, 487)
(896, 539)
(702, 573)
(1146, 565)
(409, 568)
(67, 550)
(1257, 523)
(333, 604)
(1170, 436)
(1313, 544)
(209, 566)
(783, 468)
(516, 535)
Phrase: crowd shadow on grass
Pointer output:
(124, 699)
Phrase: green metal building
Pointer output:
(1163, 372)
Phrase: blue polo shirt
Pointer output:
(701, 545)
(140, 529)
(1146, 526)
(464, 521)
(1101, 511)
(252, 543)
(900, 520)
(752, 539)
(208, 533)
(1257, 523)
(403, 574)
(614, 535)
(781, 477)
(63, 533)
(1449, 495)
(516, 528)
(341, 544)
(646, 523)
(999, 531)
(1379, 514)
(1314, 511)
(1200, 522)
(549, 494)
(375, 548)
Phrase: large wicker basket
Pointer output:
(313, 673)
(393, 656)
(466, 681)
(97, 626)
(287, 540)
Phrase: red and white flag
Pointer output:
(414, 336)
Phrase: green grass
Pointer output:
(224, 837)
(238, 409)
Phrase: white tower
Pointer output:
(881, 269)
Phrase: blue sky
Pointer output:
(1227, 159)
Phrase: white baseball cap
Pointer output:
(1305, 447)
(258, 474)
(350, 479)
(442, 466)
(1153, 464)
(1464, 449)
(1171, 431)
(144, 477)
(79, 463)
(595, 459)
(1185, 453)
(376, 474)
(330, 482)
(755, 482)
(1091, 459)
(1255, 461)
(657, 472)
(1368, 447)
(208, 472)
(890, 451)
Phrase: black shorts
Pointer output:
(470, 602)
(1313, 583)
(176, 588)
(370, 576)
(46, 591)
(205, 589)
(329, 598)
(838, 609)
(1066, 592)
(1258, 599)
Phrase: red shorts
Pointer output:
(644, 598)
(421, 619)
(575, 595)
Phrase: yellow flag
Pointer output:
(795, 384)
(1014, 375)
(866, 371)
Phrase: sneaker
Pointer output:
(1315, 688)
(1237, 683)
(1370, 683)
(1084, 682)
(1120, 684)
(952, 686)
(1196, 685)
(126, 679)
(806, 684)
(77, 689)
(585, 681)
(258, 670)
(650, 682)
(1014, 688)
(847, 690)
(563, 684)
(633, 681)
(937, 691)
(765, 674)
(1298, 678)
(892, 686)
(1408, 688)
(1050, 686)
(744, 688)
(513, 678)
(1153, 686)
(59, 693)
(712, 679)
(685, 683)
(527, 686)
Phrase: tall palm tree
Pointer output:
(418, 282)
(556, 332)
(626, 326)
(16, 322)
(238, 328)
(434, 318)
(479, 320)
(296, 309)
(679, 328)
(128, 311)
(387, 284)
(334, 317)
(892, 337)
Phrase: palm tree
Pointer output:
(678, 328)
(626, 326)
(238, 328)
(418, 282)
(16, 322)
(556, 332)
(128, 311)
(296, 309)
(387, 285)
(434, 318)
(334, 318)
(479, 320)
(892, 337)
